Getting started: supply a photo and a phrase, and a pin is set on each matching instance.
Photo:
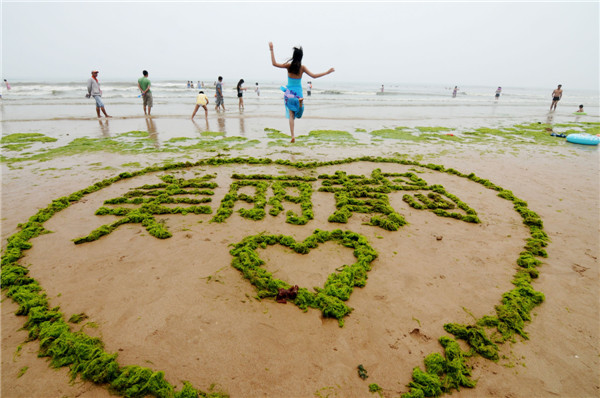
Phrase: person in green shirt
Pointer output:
(144, 86)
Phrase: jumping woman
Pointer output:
(294, 98)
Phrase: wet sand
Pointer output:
(178, 306)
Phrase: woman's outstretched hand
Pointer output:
(271, 45)
(330, 71)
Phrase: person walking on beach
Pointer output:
(201, 101)
(257, 90)
(454, 92)
(219, 94)
(308, 89)
(498, 91)
(93, 88)
(240, 94)
(7, 85)
(556, 96)
(144, 86)
(293, 92)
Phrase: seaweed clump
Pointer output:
(151, 199)
(443, 373)
(330, 299)
(20, 141)
(261, 183)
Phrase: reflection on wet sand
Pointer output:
(242, 124)
(549, 121)
(152, 131)
(104, 129)
(221, 122)
(199, 128)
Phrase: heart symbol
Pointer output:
(339, 285)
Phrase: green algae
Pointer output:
(179, 139)
(212, 134)
(373, 388)
(16, 147)
(398, 133)
(271, 130)
(442, 373)
(22, 371)
(359, 194)
(330, 299)
(261, 183)
(432, 129)
(330, 135)
(276, 134)
(137, 134)
(20, 141)
(141, 142)
(435, 202)
(131, 164)
(76, 318)
(246, 144)
(92, 363)
(151, 199)
(19, 138)
(362, 372)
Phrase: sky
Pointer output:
(509, 44)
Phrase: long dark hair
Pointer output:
(295, 61)
(240, 83)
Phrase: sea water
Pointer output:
(61, 108)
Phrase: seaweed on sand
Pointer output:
(86, 356)
(151, 199)
(339, 285)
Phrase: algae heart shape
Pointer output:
(339, 285)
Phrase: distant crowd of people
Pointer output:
(292, 93)
(293, 96)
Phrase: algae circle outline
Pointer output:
(58, 342)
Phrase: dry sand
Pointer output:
(177, 305)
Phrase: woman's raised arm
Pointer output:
(316, 75)
(284, 66)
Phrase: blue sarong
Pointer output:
(291, 96)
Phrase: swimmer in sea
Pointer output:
(294, 98)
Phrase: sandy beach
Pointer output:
(427, 224)
(178, 306)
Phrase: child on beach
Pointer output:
(580, 110)
(201, 101)
(293, 92)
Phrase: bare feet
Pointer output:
(293, 140)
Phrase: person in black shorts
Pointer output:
(240, 94)
(556, 96)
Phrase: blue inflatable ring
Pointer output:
(583, 138)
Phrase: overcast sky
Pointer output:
(537, 44)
